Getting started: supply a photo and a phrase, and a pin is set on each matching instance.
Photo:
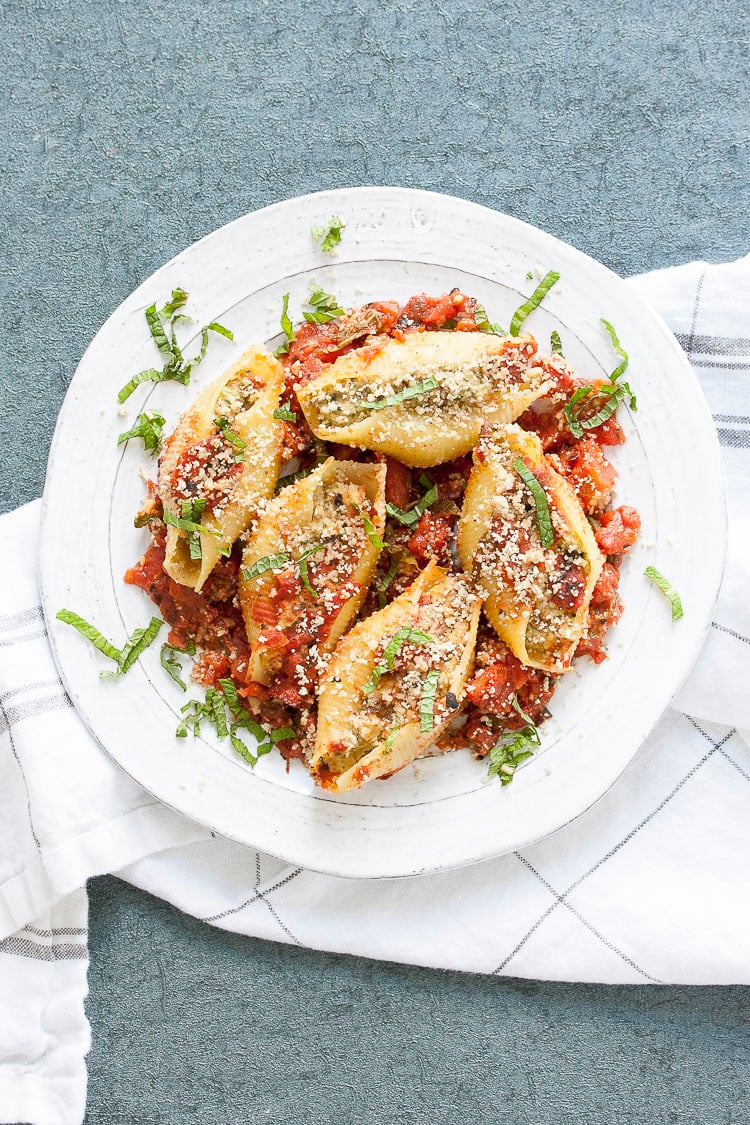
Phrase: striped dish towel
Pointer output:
(648, 886)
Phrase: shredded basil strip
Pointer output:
(513, 747)
(544, 520)
(621, 367)
(148, 425)
(409, 516)
(385, 583)
(302, 565)
(328, 234)
(667, 589)
(392, 736)
(175, 367)
(125, 657)
(427, 704)
(284, 414)
(286, 326)
(414, 391)
(325, 306)
(556, 343)
(90, 632)
(174, 304)
(170, 663)
(268, 562)
(386, 664)
(536, 298)
(188, 525)
(137, 643)
(372, 534)
(283, 734)
(234, 439)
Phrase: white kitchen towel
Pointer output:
(648, 886)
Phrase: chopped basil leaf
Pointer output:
(229, 691)
(234, 439)
(372, 534)
(556, 343)
(387, 662)
(268, 562)
(530, 276)
(135, 645)
(610, 395)
(125, 657)
(621, 367)
(170, 663)
(90, 632)
(178, 299)
(544, 520)
(283, 734)
(175, 366)
(286, 326)
(218, 714)
(193, 712)
(284, 414)
(148, 426)
(427, 704)
(151, 375)
(324, 307)
(328, 234)
(513, 747)
(414, 391)
(188, 525)
(385, 583)
(302, 565)
(392, 736)
(153, 320)
(409, 516)
(667, 589)
(536, 298)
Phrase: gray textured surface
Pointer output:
(131, 129)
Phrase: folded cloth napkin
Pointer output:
(649, 886)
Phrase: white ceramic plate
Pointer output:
(440, 812)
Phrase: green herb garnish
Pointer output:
(667, 589)
(556, 343)
(414, 391)
(427, 703)
(385, 583)
(372, 534)
(302, 565)
(148, 425)
(125, 657)
(325, 306)
(162, 326)
(409, 516)
(386, 663)
(392, 736)
(170, 663)
(544, 520)
(284, 414)
(234, 439)
(622, 366)
(513, 747)
(328, 234)
(268, 562)
(286, 327)
(214, 709)
(536, 298)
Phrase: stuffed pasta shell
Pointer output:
(524, 538)
(423, 398)
(222, 460)
(395, 681)
(306, 569)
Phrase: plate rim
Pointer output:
(415, 195)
